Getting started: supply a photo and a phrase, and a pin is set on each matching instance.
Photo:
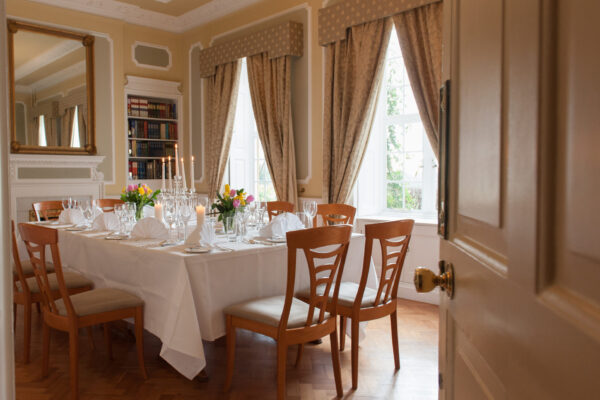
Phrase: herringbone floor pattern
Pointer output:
(255, 368)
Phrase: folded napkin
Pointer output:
(106, 222)
(281, 224)
(71, 216)
(149, 228)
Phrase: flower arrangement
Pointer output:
(141, 195)
(230, 201)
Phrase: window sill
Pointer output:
(397, 216)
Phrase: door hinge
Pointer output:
(440, 380)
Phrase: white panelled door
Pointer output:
(523, 188)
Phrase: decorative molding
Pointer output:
(150, 66)
(58, 77)
(41, 60)
(280, 40)
(156, 86)
(136, 15)
(334, 20)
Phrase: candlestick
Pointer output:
(199, 215)
(158, 211)
(192, 185)
(183, 175)
(176, 161)
(170, 175)
(163, 175)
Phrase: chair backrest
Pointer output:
(394, 238)
(47, 209)
(18, 274)
(275, 208)
(108, 205)
(312, 242)
(36, 239)
(334, 214)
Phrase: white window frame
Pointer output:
(42, 139)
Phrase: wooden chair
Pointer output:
(333, 214)
(288, 320)
(360, 303)
(108, 205)
(26, 291)
(274, 208)
(69, 313)
(45, 210)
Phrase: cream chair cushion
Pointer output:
(268, 311)
(100, 300)
(28, 268)
(72, 280)
(347, 294)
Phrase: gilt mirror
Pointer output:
(51, 74)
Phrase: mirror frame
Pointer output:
(88, 42)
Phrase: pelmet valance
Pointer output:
(334, 20)
(278, 41)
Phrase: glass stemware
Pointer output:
(169, 213)
(310, 209)
(87, 210)
(186, 208)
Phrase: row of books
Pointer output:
(148, 169)
(141, 107)
(142, 148)
(152, 130)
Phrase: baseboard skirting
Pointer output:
(407, 291)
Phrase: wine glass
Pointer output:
(186, 208)
(310, 209)
(88, 212)
(119, 210)
(67, 203)
(169, 215)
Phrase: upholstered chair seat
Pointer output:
(347, 295)
(28, 268)
(72, 280)
(99, 301)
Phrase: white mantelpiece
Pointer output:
(48, 177)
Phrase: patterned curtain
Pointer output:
(271, 92)
(353, 74)
(66, 133)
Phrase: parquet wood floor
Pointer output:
(255, 367)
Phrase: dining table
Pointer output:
(185, 293)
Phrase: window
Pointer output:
(399, 170)
(247, 166)
(75, 129)
(42, 131)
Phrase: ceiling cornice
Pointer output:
(138, 16)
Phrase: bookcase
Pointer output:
(153, 125)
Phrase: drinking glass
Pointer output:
(228, 225)
(169, 212)
(303, 219)
(186, 209)
(66, 202)
(119, 210)
(310, 209)
(87, 210)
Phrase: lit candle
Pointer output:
(163, 175)
(192, 185)
(158, 211)
(183, 175)
(130, 175)
(200, 215)
(170, 174)
(176, 161)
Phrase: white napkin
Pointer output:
(71, 216)
(281, 224)
(149, 228)
(208, 237)
(106, 222)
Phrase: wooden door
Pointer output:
(523, 193)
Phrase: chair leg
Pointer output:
(90, 338)
(73, 362)
(230, 352)
(281, 364)
(139, 339)
(27, 330)
(107, 340)
(299, 354)
(39, 309)
(342, 332)
(335, 358)
(394, 322)
(45, 349)
(354, 341)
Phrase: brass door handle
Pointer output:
(426, 280)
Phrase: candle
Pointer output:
(170, 174)
(200, 215)
(192, 185)
(130, 175)
(163, 175)
(158, 211)
(176, 161)
(183, 175)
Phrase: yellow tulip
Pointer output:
(227, 188)
(141, 190)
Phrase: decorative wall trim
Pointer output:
(281, 40)
(335, 19)
(150, 66)
(135, 15)
(47, 57)
(200, 177)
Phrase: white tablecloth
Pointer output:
(185, 294)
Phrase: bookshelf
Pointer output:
(154, 125)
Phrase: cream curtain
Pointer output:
(271, 92)
(420, 35)
(66, 132)
(82, 118)
(221, 101)
(51, 131)
(353, 72)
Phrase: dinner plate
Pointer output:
(277, 240)
(43, 222)
(115, 237)
(76, 228)
(200, 249)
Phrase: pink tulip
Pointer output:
(250, 199)
(232, 193)
(135, 187)
(236, 203)
(130, 188)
